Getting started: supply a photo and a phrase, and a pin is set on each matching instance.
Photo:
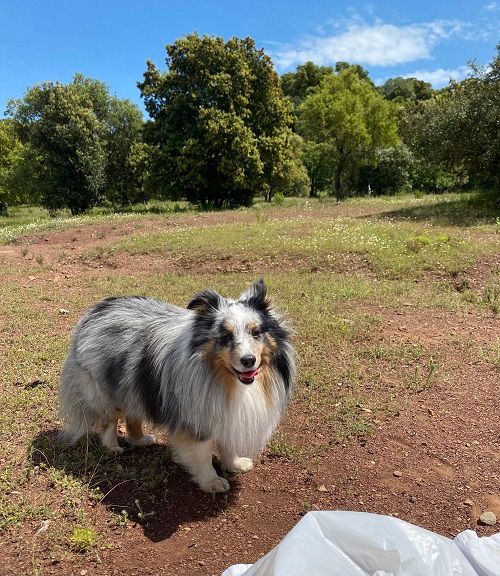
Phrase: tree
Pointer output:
(403, 89)
(220, 125)
(61, 128)
(70, 132)
(320, 168)
(296, 84)
(351, 119)
(11, 153)
(356, 68)
(126, 153)
(458, 129)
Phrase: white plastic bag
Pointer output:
(483, 553)
(360, 544)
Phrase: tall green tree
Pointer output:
(59, 125)
(351, 119)
(127, 155)
(220, 123)
(459, 128)
(11, 153)
(356, 68)
(296, 84)
(70, 132)
(402, 89)
(320, 168)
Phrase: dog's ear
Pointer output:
(205, 302)
(256, 296)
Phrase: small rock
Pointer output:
(397, 473)
(83, 572)
(488, 518)
(322, 488)
(413, 499)
(63, 311)
(469, 502)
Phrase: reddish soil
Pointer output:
(439, 449)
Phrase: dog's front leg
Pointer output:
(196, 457)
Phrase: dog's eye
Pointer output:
(226, 338)
(256, 333)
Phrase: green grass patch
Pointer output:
(392, 250)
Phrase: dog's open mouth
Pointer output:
(246, 377)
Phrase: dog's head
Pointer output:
(241, 337)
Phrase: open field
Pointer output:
(395, 304)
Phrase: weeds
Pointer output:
(281, 447)
(491, 297)
(421, 378)
(83, 539)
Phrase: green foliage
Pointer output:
(389, 171)
(357, 69)
(296, 85)
(127, 155)
(66, 139)
(292, 178)
(278, 199)
(77, 139)
(220, 125)
(320, 168)
(456, 131)
(401, 89)
(83, 539)
(351, 119)
(11, 153)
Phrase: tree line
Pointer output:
(223, 128)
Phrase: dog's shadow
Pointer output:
(142, 485)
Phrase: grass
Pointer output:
(30, 219)
(339, 273)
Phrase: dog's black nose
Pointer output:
(248, 361)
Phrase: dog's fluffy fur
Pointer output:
(217, 376)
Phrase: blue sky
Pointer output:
(111, 40)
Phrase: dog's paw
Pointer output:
(144, 440)
(240, 465)
(216, 484)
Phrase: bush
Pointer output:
(278, 199)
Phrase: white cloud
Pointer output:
(377, 44)
(439, 77)
(491, 7)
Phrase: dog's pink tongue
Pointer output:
(249, 374)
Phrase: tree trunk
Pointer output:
(313, 193)
(338, 176)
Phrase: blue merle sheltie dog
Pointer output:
(216, 375)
